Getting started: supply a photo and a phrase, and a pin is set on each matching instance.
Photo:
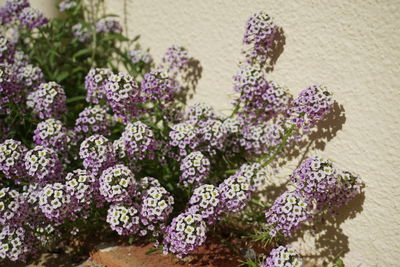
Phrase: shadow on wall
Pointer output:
(276, 49)
(190, 78)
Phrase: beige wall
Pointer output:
(350, 46)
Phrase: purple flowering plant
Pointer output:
(86, 147)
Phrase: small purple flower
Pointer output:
(158, 88)
(13, 207)
(15, 243)
(183, 138)
(48, 101)
(66, 4)
(195, 168)
(175, 59)
(186, 232)
(80, 185)
(283, 256)
(117, 184)
(200, 112)
(32, 18)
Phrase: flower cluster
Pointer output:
(139, 141)
(123, 95)
(195, 168)
(139, 55)
(97, 153)
(15, 243)
(156, 206)
(66, 4)
(183, 137)
(200, 112)
(108, 25)
(145, 183)
(260, 139)
(29, 76)
(175, 59)
(123, 219)
(56, 203)
(51, 133)
(10, 91)
(158, 88)
(32, 18)
(350, 185)
(310, 107)
(287, 214)
(13, 208)
(4, 48)
(260, 100)
(79, 184)
(93, 120)
(42, 164)
(48, 100)
(12, 163)
(283, 256)
(205, 201)
(117, 184)
(16, 6)
(81, 33)
(259, 34)
(95, 84)
(186, 232)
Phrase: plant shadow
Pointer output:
(190, 77)
(277, 48)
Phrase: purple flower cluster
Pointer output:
(5, 48)
(93, 120)
(260, 100)
(117, 184)
(108, 25)
(56, 203)
(48, 101)
(236, 190)
(80, 185)
(12, 162)
(186, 232)
(15, 243)
(97, 153)
(123, 219)
(205, 201)
(158, 88)
(51, 133)
(123, 95)
(183, 137)
(13, 208)
(200, 112)
(310, 107)
(32, 18)
(283, 256)
(320, 183)
(156, 206)
(139, 141)
(95, 84)
(261, 139)
(175, 59)
(195, 168)
(259, 34)
(139, 55)
(28, 75)
(82, 33)
(43, 165)
(66, 4)
(287, 213)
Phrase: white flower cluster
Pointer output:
(11, 158)
(157, 204)
(117, 183)
(96, 152)
(205, 201)
(138, 55)
(123, 219)
(51, 133)
(12, 243)
(55, 202)
(139, 140)
(200, 111)
(79, 183)
(283, 256)
(10, 205)
(42, 163)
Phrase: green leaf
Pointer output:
(85, 51)
(61, 76)
(154, 250)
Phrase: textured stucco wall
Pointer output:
(350, 46)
